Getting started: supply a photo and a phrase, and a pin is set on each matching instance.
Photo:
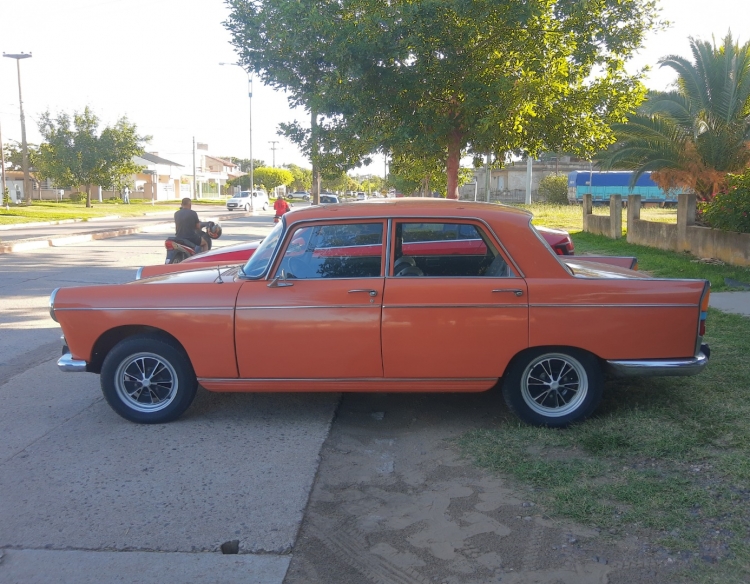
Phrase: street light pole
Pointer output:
(250, 96)
(24, 145)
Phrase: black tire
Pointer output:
(170, 380)
(247, 208)
(553, 386)
(179, 256)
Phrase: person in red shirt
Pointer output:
(281, 207)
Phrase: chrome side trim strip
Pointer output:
(659, 367)
(520, 305)
(172, 308)
(342, 379)
(138, 273)
(612, 305)
(312, 306)
(67, 364)
(52, 304)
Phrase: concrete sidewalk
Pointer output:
(23, 237)
(734, 302)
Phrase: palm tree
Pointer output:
(692, 136)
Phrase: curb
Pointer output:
(61, 240)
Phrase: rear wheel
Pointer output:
(179, 256)
(148, 380)
(553, 387)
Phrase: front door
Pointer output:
(318, 315)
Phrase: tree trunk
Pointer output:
(454, 160)
(88, 196)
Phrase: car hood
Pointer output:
(597, 270)
(200, 275)
(239, 251)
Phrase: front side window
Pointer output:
(258, 263)
(338, 250)
(446, 250)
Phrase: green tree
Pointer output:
(302, 177)
(693, 136)
(271, 178)
(554, 189)
(75, 154)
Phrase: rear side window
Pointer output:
(446, 250)
(334, 251)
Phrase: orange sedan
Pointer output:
(406, 295)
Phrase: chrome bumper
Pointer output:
(661, 367)
(69, 365)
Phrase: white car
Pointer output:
(361, 196)
(242, 201)
(326, 199)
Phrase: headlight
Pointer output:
(52, 304)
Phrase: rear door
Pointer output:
(453, 306)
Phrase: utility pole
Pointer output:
(2, 165)
(24, 145)
(273, 150)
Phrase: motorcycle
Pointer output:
(179, 250)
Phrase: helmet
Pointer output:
(214, 231)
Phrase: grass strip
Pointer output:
(667, 455)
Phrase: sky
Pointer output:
(157, 62)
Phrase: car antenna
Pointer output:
(218, 269)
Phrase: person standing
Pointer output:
(126, 195)
(188, 226)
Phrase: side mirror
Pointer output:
(280, 281)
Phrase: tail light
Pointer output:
(704, 309)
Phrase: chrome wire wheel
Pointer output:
(146, 382)
(554, 385)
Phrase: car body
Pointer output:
(304, 195)
(411, 295)
(361, 196)
(328, 199)
(242, 201)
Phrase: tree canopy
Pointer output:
(692, 136)
(441, 78)
(75, 154)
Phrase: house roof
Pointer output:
(222, 160)
(154, 159)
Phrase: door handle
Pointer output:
(372, 293)
(515, 291)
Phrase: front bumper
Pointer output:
(661, 367)
(67, 364)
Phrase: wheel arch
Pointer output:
(552, 349)
(109, 339)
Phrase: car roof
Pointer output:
(409, 207)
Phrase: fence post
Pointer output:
(634, 214)
(615, 216)
(586, 210)
(686, 204)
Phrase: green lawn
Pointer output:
(668, 455)
(54, 211)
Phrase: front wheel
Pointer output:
(179, 256)
(148, 380)
(553, 387)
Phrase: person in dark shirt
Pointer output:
(188, 226)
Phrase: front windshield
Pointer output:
(258, 263)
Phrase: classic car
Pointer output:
(412, 295)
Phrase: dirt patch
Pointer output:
(394, 502)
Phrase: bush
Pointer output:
(554, 189)
(77, 197)
(6, 197)
(730, 210)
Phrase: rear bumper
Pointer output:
(67, 364)
(661, 367)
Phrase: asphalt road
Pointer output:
(87, 497)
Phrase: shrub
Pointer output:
(554, 189)
(730, 210)
(6, 197)
(77, 197)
